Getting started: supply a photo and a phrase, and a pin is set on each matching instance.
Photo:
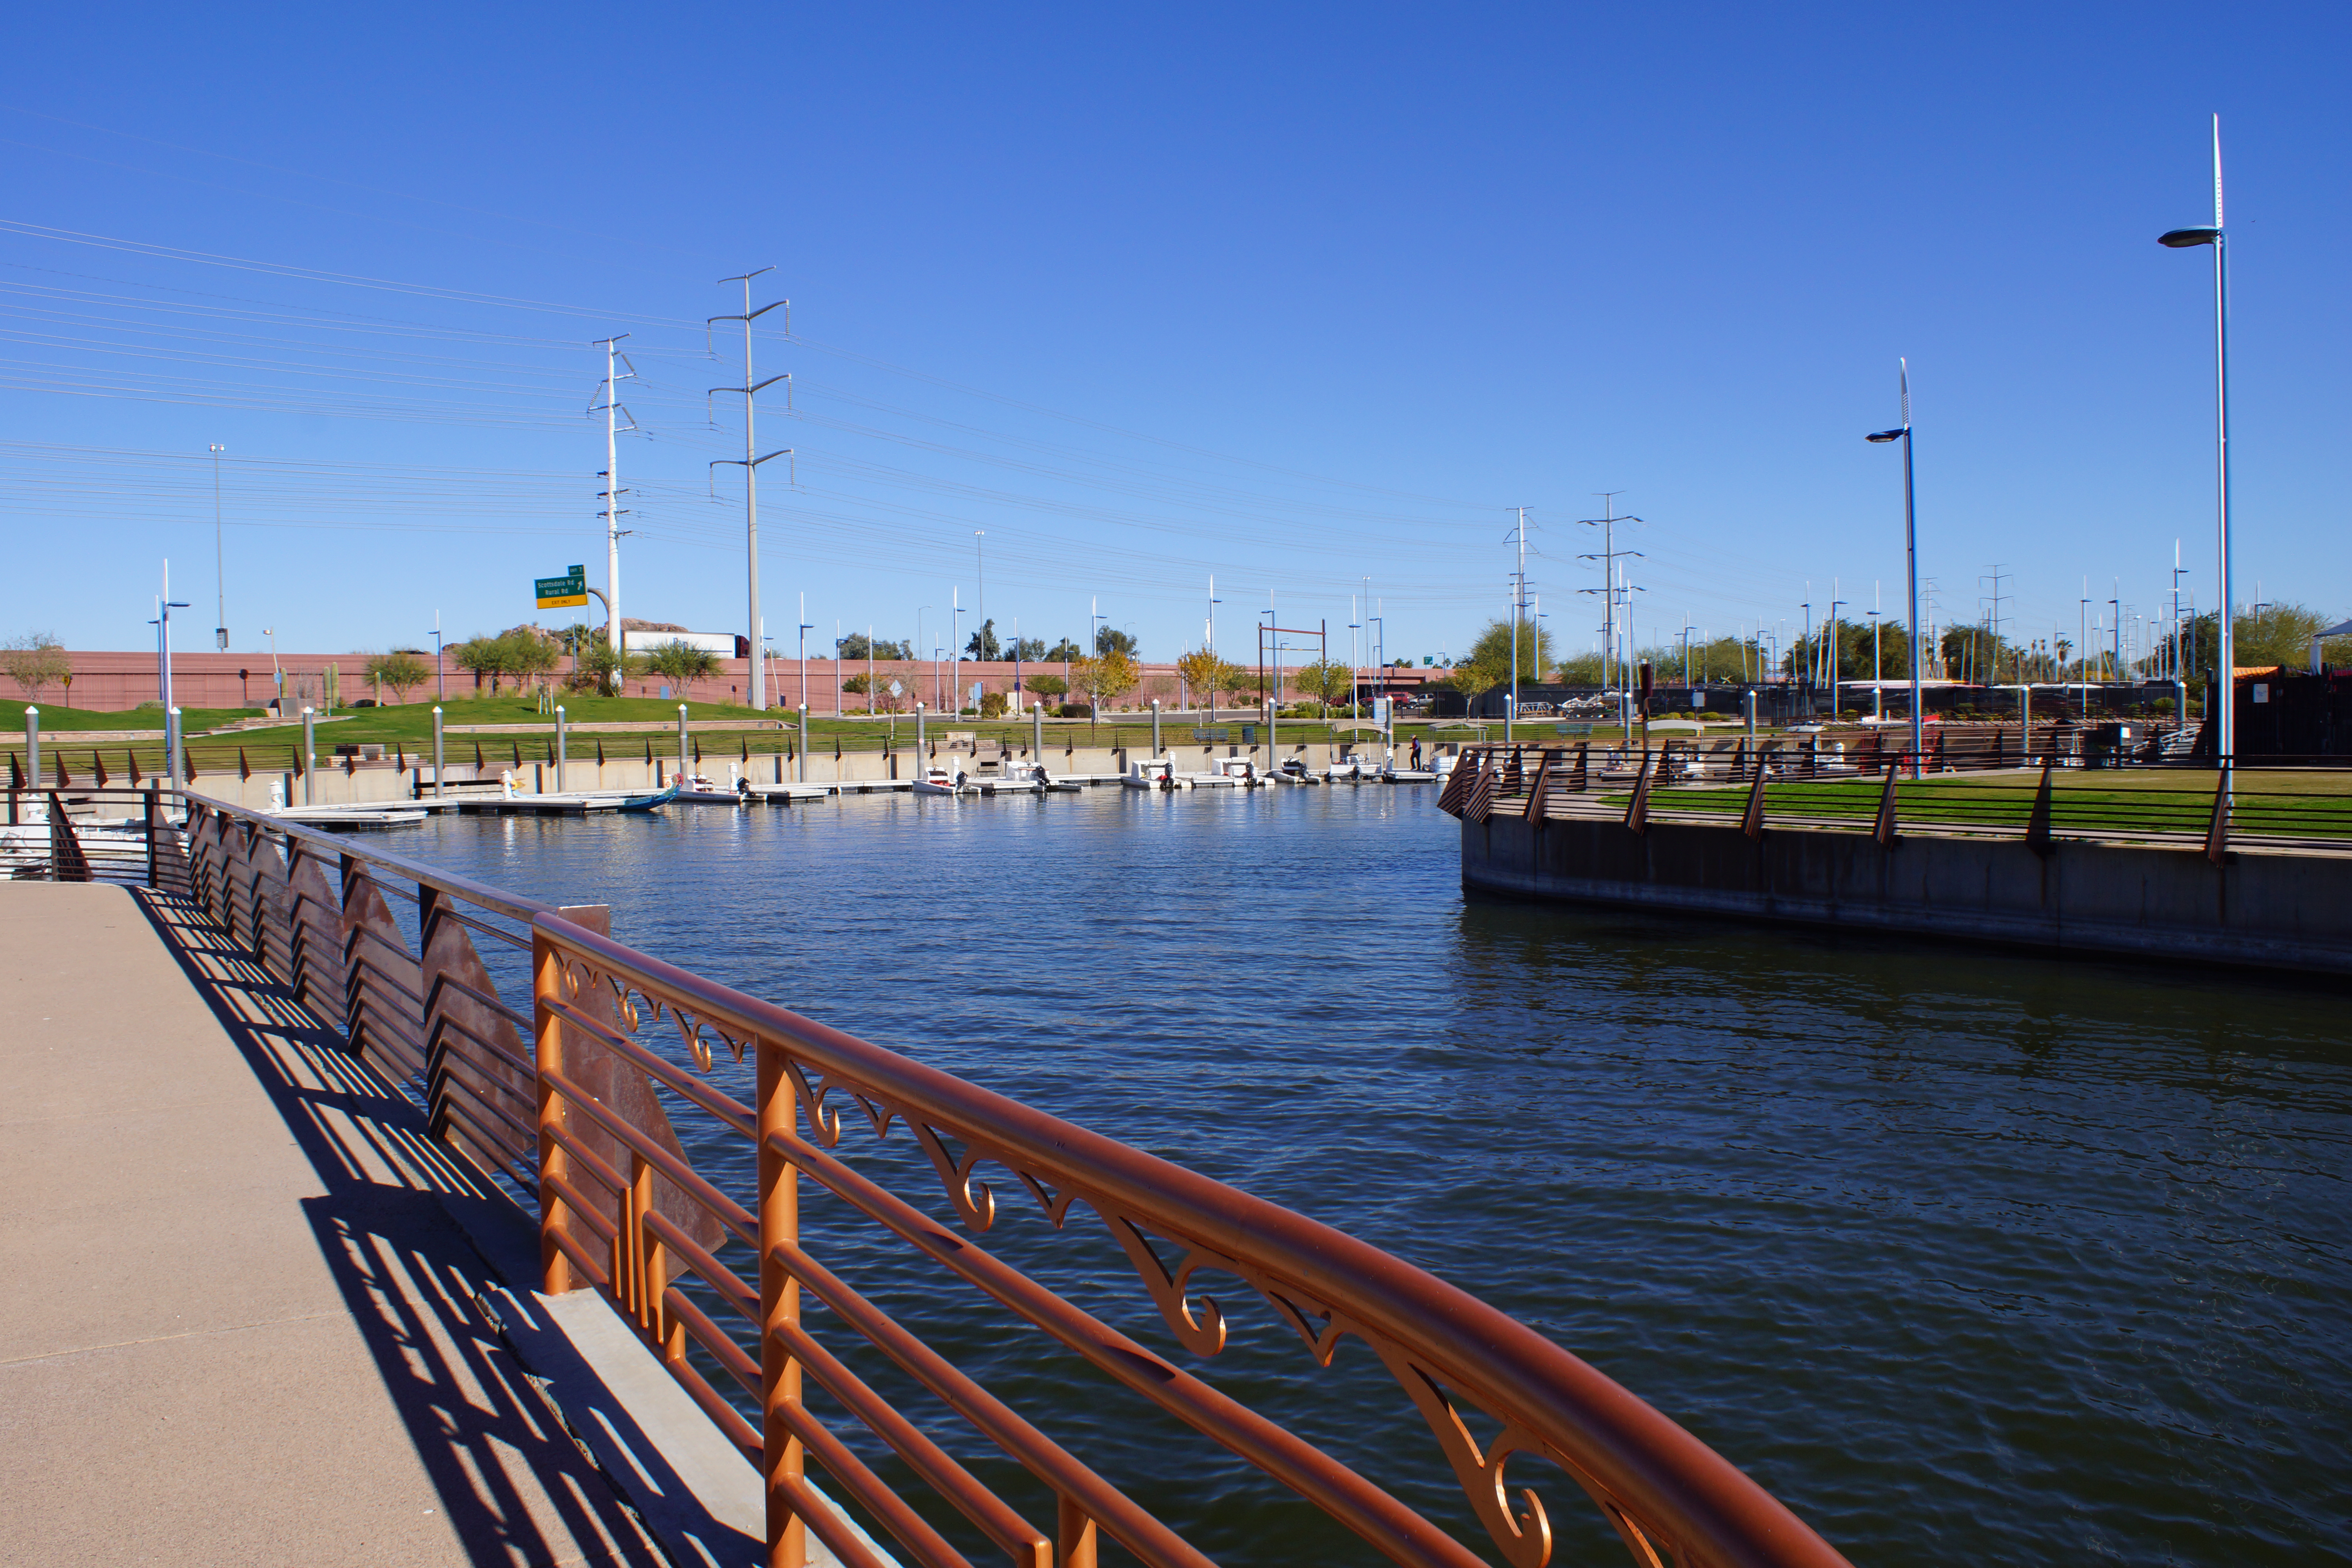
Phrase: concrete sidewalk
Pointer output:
(240, 1324)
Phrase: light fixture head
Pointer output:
(2184, 238)
(1883, 435)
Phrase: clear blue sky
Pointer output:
(1298, 297)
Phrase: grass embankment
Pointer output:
(2302, 804)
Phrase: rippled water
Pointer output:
(1964, 1254)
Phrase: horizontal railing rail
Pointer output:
(704, 1253)
(1892, 792)
(91, 835)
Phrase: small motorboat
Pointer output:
(1346, 771)
(1045, 782)
(653, 802)
(1294, 771)
(1023, 779)
(943, 778)
(697, 790)
(1154, 772)
(1228, 773)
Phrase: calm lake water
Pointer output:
(1966, 1255)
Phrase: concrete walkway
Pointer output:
(240, 1324)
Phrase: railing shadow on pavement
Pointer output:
(427, 1304)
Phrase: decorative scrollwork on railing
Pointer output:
(1203, 1335)
(1521, 1530)
(1525, 1539)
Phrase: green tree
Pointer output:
(1323, 682)
(856, 647)
(35, 660)
(1580, 669)
(1110, 639)
(982, 644)
(679, 661)
(1977, 655)
(483, 657)
(1493, 650)
(532, 653)
(1201, 670)
(599, 668)
(2277, 634)
(1102, 677)
(1474, 680)
(1045, 685)
(1064, 652)
(400, 670)
(1236, 681)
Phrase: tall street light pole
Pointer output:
(1910, 552)
(220, 574)
(2225, 674)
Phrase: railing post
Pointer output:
(2217, 835)
(154, 809)
(782, 1459)
(1074, 1537)
(555, 1214)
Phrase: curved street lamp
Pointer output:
(2226, 681)
(1910, 551)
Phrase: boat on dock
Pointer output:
(1294, 771)
(1230, 773)
(697, 790)
(1015, 781)
(943, 778)
(1154, 772)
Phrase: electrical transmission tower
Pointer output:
(751, 466)
(1996, 576)
(1609, 556)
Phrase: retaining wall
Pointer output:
(2266, 907)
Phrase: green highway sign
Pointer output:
(554, 592)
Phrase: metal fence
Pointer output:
(2163, 800)
(578, 1101)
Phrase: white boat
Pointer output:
(1228, 773)
(697, 790)
(943, 778)
(1350, 770)
(1022, 778)
(1153, 772)
(1294, 772)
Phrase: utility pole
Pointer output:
(751, 466)
(2116, 669)
(807, 627)
(980, 612)
(220, 577)
(2082, 648)
(1996, 575)
(1607, 523)
(614, 511)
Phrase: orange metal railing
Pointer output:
(716, 1280)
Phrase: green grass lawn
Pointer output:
(56, 716)
(2302, 802)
